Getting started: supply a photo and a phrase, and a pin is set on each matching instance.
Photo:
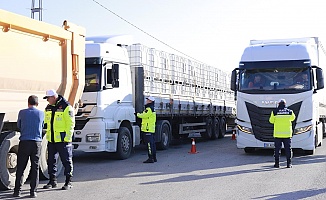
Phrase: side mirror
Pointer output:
(234, 80)
(115, 75)
(319, 78)
(112, 76)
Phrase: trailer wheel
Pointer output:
(216, 128)
(124, 145)
(208, 133)
(9, 142)
(43, 161)
(222, 128)
(165, 133)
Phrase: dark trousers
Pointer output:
(287, 147)
(28, 149)
(150, 143)
(64, 150)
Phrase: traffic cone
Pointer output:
(233, 136)
(193, 147)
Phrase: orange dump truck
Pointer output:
(34, 57)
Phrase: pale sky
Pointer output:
(214, 32)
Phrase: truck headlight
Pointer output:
(298, 131)
(93, 137)
(245, 129)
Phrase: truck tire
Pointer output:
(124, 145)
(216, 128)
(222, 127)
(43, 161)
(9, 142)
(165, 135)
(209, 129)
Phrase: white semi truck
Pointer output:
(280, 64)
(190, 97)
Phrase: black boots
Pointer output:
(32, 194)
(289, 163)
(149, 160)
(67, 184)
(52, 183)
(277, 163)
(16, 194)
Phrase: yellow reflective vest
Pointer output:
(282, 120)
(148, 120)
(59, 121)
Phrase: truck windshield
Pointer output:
(92, 78)
(284, 79)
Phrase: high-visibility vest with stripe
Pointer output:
(148, 120)
(59, 121)
(282, 120)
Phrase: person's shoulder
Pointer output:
(37, 110)
(64, 101)
(23, 111)
(26, 110)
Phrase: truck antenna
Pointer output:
(36, 10)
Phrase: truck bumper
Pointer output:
(105, 142)
(303, 141)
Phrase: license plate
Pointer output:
(269, 145)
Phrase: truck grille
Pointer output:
(81, 117)
(79, 124)
(263, 130)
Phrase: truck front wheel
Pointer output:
(9, 142)
(124, 145)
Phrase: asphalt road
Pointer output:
(218, 171)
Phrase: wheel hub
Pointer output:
(125, 144)
(11, 160)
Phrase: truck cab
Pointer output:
(273, 69)
(105, 119)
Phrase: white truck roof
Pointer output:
(108, 51)
(282, 49)
(313, 40)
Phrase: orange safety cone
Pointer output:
(193, 147)
(233, 136)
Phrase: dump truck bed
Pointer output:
(36, 56)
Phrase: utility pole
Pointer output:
(35, 9)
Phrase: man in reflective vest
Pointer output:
(59, 122)
(148, 117)
(282, 118)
